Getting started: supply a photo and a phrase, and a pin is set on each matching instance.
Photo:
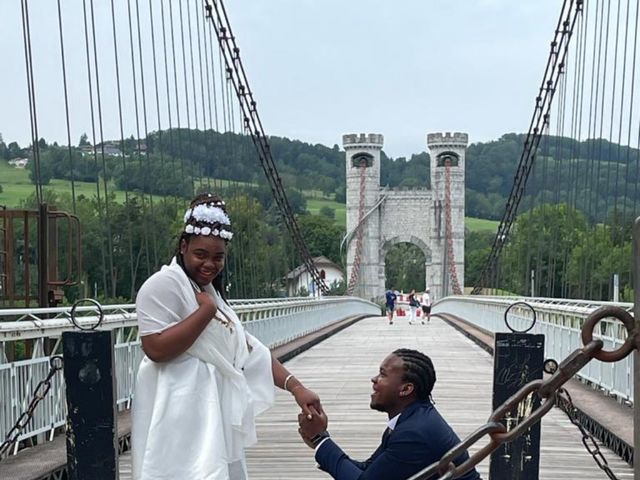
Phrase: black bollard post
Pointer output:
(518, 359)
(92, 443)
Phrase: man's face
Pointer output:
(389, 389)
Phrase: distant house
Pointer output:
(109, 148)
(299, 279)
(19, 162)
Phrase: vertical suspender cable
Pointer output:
(66, 109)
(31, 89)
(172, 147)
(160, 135)
(231, 54)
(143, 94)
(571, 10)
(180, 147)
(95, 151)
(122, 148)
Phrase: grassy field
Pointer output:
(16, 187)
(315, 204)
(480, 224)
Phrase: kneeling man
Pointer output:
(416, 435)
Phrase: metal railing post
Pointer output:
(92, 433)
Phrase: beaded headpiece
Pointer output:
(208, 218)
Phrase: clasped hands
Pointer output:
(312, 420)
(310, 428)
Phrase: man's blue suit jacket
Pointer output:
(421, 437)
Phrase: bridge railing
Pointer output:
(560, 321)
(273, 321)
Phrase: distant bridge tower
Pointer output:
(379, 218)
(363, 191)
(447, 152)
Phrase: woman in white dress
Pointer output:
(203, 378)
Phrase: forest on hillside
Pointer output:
(169, 162)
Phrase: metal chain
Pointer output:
(39, 393)
(547, 390)
(565, 403)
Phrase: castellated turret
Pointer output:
(456, 139)
(371, 140)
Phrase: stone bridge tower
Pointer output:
(392, 216)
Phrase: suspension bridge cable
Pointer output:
(593, 122)
(580, 194)
(557, 160)
(611, 163)
(559, 47)
(637, 175)
(112, 271)
(151, 266)
(180, 146)
(172, 147)
(231, 54)
(31, 90)
(209, 80)
(66, 109)
(615, 219)
(629, 127)
(94, 146)
(160, 142)
(122, 145)
(136, 101)
(574, 148)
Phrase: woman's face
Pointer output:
(203, 257)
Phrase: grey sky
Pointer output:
(321, 68)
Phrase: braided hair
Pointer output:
(418, 370)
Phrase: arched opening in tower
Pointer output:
(404, 267)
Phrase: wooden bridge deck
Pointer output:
(339, 370)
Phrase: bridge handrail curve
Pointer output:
(560, 320)
(274, 321)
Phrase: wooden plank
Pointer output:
(339, 370)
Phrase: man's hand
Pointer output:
(310, 428)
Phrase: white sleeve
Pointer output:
(159, 304)
(257, 370)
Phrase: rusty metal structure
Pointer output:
(40, 254)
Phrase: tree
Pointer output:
(322, 236)
(542, 240)
(404, 268)
(328, 212)
(84, 140)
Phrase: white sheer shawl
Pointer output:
(194, 416)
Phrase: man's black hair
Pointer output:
(418, 370)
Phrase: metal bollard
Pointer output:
(92, 443)
(518, 359)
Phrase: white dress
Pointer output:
(193, 416)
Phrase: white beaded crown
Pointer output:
(208, 218)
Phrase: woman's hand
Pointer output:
(207, 303)
(308, 400)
